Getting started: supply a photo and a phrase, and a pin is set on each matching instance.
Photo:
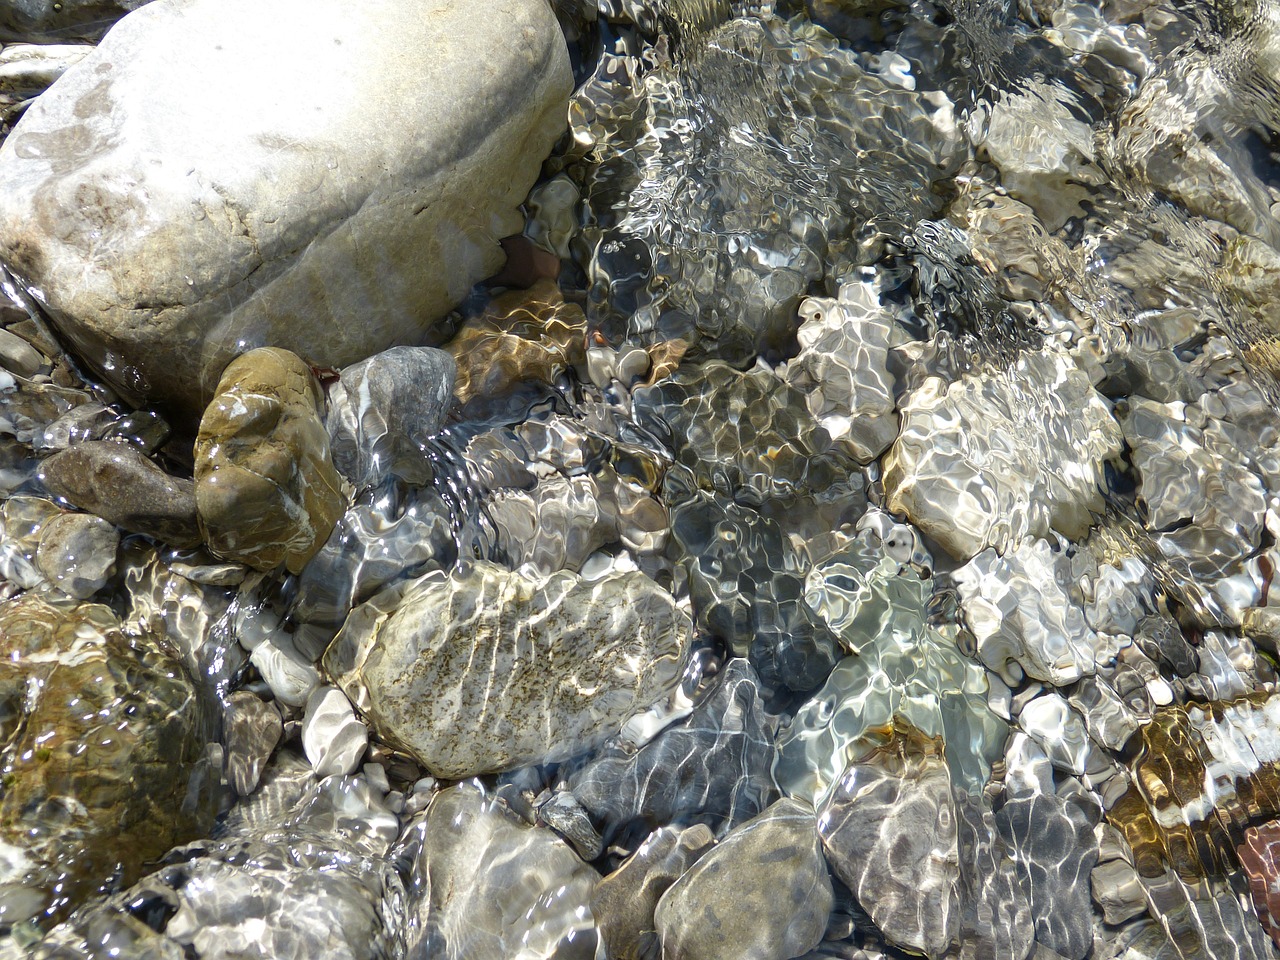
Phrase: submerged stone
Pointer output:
(266, 489)
(384, 409)
(168, 227)
(488, 885)
(78, 553)
(762, 893)
(992, 458)
(482, 670)
(713, 767)
(102, 753)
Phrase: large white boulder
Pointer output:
(318, 175)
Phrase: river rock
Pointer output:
(382, 410)
(489, 885)
(623, 902)
(762, 894)
(266, 489)
(117, 482)
(170, 223)
(482, 670)
(990, 458)
(890, 832)
(102, 751)
(78, 553)
(713, 767)
(252, 728)
(333, 739)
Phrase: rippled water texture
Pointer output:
(863, 547)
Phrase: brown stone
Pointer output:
(267, 492)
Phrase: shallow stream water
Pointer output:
(925, 354)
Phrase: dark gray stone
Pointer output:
(382, 411)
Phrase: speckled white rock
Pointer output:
(993, 458)
(332, 738)
(340, 186)
(482, 670)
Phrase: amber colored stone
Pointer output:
(1260, 858)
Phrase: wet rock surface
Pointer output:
(844, 528)
(102, 747)
(486, 884)
(762, 892)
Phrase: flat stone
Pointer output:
(763, 893)
(266, 490)
(170, 223)
(78, 553)
(482, 670)
(382, 410)
(117, 482)
(486, 884)
(332, 738)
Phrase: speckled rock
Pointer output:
(72, 686)
(383, 409)
(119, 483)
(763, 893)
(488, 885)
(482, 669)
(170, 226)
(266, 489)
(990, 459)
(78, 553)
(623, 902)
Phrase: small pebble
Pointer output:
(332, 738)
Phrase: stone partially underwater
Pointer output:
(844, 530)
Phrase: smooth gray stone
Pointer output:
(60, 19)
(623, 902)
(117, 482)
(18, 356)
(342, 185)
(252, 728)
(382, 410)
(714, 766)
(488, 886)
(78, 553)
(762, 894)
(890, 833)
(483, 670)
